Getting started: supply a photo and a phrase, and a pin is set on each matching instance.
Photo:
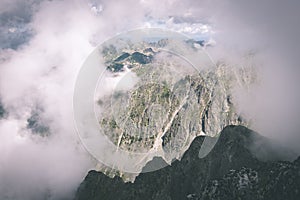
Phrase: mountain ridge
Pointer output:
(230, 171)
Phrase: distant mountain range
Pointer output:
(242, 165)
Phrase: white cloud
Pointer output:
(42, 74)
(43, 71)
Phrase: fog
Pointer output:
(44, 43)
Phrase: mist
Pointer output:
(269, 30)
(44, 44)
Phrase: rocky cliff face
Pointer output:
(161, 102)
(234, 169)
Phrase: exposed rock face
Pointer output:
(36, 125)
(170, 103)
(154, 94)
(231, 170)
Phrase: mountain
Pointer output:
(2, 110)
(242, 165)
(160, 103)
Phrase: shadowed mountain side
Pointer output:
(230, 171)
(2, 110)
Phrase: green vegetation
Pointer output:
(113, 124)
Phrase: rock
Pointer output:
(230, 171)
(141, 58)
(3, 112)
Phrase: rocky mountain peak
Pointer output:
(230, 171)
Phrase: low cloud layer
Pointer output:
(44, 43)
(269, 30)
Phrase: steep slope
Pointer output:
(231, 170)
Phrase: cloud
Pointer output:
(270, 30)
(34, 167)
(45, 43)
(41, 75)
(15, 17)
(37, 82)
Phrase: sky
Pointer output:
(44, 43)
